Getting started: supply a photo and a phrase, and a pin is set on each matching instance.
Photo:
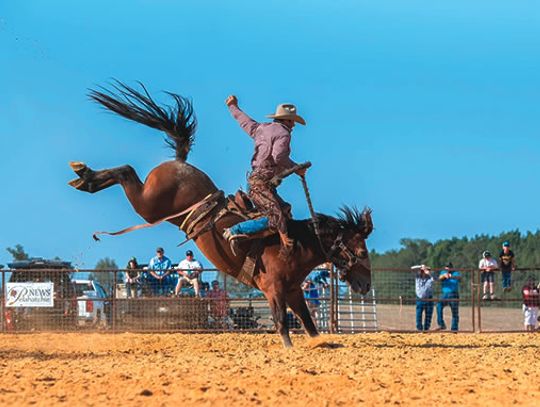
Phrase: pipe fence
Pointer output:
(115, 301)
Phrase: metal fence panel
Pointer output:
(100, 300)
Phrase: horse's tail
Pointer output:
(179, 121)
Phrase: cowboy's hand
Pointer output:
(231, 100)
(301, 172)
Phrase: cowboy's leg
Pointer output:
(266, 200)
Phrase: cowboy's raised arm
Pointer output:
(247, 123)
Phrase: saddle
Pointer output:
(240, 204)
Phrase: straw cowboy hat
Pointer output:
(287, 111)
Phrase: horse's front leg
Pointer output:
(297, 302)
(276, 297)
(94, 181)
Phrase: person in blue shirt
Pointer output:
(159, 269)
(311, 294)
(424, 297)
(449, 279)
(321, 278)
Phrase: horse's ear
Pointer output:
(368, 222)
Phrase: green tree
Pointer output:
(18, 252)
(104, 273)
(235, 288)
(464, 252)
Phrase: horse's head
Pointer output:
(348, 251)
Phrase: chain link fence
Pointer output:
(106, 300)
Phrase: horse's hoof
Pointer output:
(79, 184)
(79, 167)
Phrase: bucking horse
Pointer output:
(177, 192)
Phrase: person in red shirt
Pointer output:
(531, 302)
(219, 304)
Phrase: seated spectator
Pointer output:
(449, 279)
(189, 270)
(219, 303)
(311, 294)
(159, 269)
(205, 288)
(508, 265)
(488, 265)
(132, 278)
(531, 302)
(424, 296)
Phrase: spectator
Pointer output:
(189, 270)
(205, 288)
(508, 265)
(488, 265)
(159, 269)
(424, 296)
(133, 278)
(531, 302)
(321, 278)
(449, 279)
(311, 294)
(219, 303)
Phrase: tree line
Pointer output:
(463, 252)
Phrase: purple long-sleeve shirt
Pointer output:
(272, 143)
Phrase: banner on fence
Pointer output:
(29, 294)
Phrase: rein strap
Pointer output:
(166, 218)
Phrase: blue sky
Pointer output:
(428, 113)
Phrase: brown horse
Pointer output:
(175, 186)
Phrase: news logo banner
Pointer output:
(30, 294)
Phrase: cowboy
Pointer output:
(271, 157)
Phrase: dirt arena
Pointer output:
(233, 369)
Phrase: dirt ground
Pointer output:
(235, 369)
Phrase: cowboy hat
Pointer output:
(286, 111)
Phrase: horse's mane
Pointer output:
(349, 218)
(178, 121)
(352, 218)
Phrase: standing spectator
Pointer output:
(424, 297)
(189, 270)
(159, 269)
(219, 304)
(449, 279)
(132, 277)
(508, 265)
(488, 265)
(311, 294)
(531, 302)
(321, 278)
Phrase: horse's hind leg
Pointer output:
(94, 181)
(296, 301)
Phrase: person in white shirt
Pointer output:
(189, 270)
(487, 266)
